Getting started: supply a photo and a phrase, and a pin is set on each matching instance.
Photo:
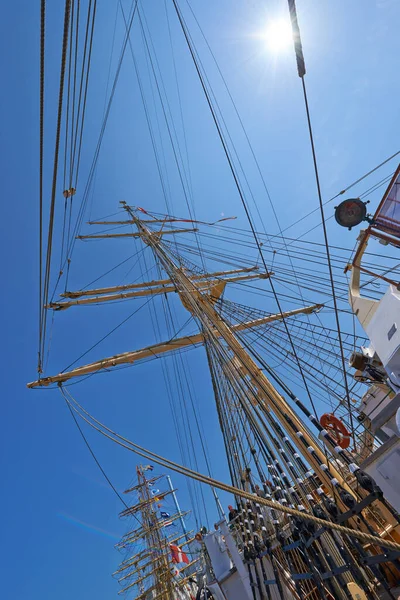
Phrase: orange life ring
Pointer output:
(337, 429)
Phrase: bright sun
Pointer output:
(278, 35)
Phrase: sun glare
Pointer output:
(278, 35)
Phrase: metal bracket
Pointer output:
(315, 536)
(300, 576)
(291, 546)
(359, 507)
(334, 572)
(380, 558)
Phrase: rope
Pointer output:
(41, 110)
(85, 90)
(96, 460)
(55, 169)
(92, 169)
(166, 463)
(328, 257)
(109, 333)
(346, 189)
(183, 177)
(301, 72)
(242, 198)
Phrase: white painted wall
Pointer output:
(386, 472)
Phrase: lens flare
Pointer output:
(278, 35)
(87, 526)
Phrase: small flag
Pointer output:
(178, 556)
(167, 524)
(148, 468)
(165, 515)
(154, 492)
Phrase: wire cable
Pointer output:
(96, 459)
(41, 152)
(92, 169)
(240, 192)
(55, 170)
(166, 463)
(328, 256)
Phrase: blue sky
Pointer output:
(59, 518)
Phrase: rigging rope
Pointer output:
(109, 333)
(166, 463)
(301, 72)
(163, 183)
(85, 90)
(96, 459)
(346, 189)
(66, 138)
(92, 169)
(240, 192)
(41, 152)
(55, 170)
(171, 129)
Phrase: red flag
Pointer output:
(178, 556)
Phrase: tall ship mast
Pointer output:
(307, 468)
(155, 564)
(313, 506)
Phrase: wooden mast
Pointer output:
(199, 295)
(162, 348)
(160, 574)
(216, 327)
(196, 299)
(148, 290)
